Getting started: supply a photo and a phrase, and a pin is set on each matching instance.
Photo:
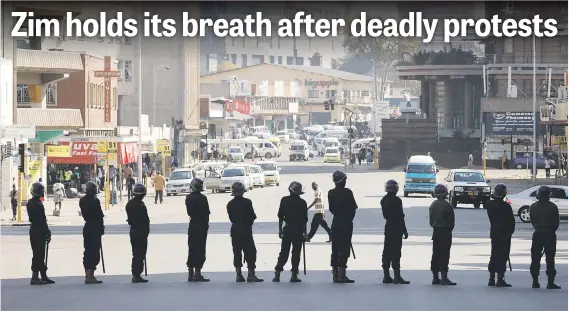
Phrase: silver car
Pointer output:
(179, 181)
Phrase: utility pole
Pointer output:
(374, 101)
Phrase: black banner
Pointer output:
(510, 123)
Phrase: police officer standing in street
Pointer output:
(395, 232)
(92, 231)
(441, 219)
(293, 211)
(39, 235)
(197, 207)
(242, 216)
(139, 223)
(502, 226)
(319, 215)
(544, 216)
(343, 206)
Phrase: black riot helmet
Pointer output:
(196, 185)
(391, 186)
(38, 190)
(500, 191)
(91, 188)
(139, 191)
(339, 177)
(543, 193)
(441, 191)
(295, 188)
(237, 189)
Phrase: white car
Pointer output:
(332, 154)
(233, 174)
(258, 176)
(179, 181)
(292, 134)
(283, 136)
(271, 171)
(236, 154)
(467, 186)
(522, 201)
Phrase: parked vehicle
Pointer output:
(467, 186)
(299, 151)
(332, 155)
(179, 181)
(522, 201)
(258, 176)
(525, 160)
(420, 175)
(271, 170)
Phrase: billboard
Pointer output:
(510, 123)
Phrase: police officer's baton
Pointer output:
(102, 259)
(510, 264)
(352, 248)
(145, 269)
(46, 252)
(304, 255)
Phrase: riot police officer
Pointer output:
(197, 207)
(544, 216)
(242, 216)
(343, 206)
(293, 211)
(139, 223)
(39, 235)
(441, 219)
(395, 232)
(502, 226)
(92, 231)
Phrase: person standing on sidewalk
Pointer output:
(547, 167)
(130, 182)
(14, 202)
(159, 185)
(319, 214)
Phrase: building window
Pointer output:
(126, 67)
(300, 61)
(312, 93)
(234, 59)
(51, 95)
(243, 60)
(22, 94)
(508, 45)
(330, 93)
(365, 93)
(290, 60)
(280, 59)
(271, 59)
(120, 67)
(257, 59)
(211, 63)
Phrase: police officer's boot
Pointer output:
(502, 282)
(398, 279)
(277, 277)
(239, 275)
(492, 279)
(436, 280)
(198, 277)
(535, 282)
(445, 280)
(335, 274)
(551, 282)
(138, 279)
(45, 279)
(90, 277)
(36, 279)
(294, 278)
(386, 277)
(252, 278)
(342, 278)
(190, 274)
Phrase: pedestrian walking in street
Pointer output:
(319, 215)
(547, 167)
(470, 161)
(159, 185)
(293, 211)
(242, 216)
(58, 195)
(197, 207)
(92, 231)
(130, 182)
(395, 232)
(343, 206)
(441, 219)
(139, 222)
(39, 235)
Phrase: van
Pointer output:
(299, 151)
(361, 143)
(340, 134)
(265, 148)
(420, 175)
(330, 142)
(235, 154)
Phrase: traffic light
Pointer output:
(326, 105)
(331, 105)
(21, 152)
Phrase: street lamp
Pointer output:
(156, 69)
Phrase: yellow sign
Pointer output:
(559, 140)
(163, 146)
(59, 151)
(34, 171)
(106, 146)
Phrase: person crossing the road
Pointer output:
(92, 231)
(544, 216)
(139, 223)
(197, 207)
(502, 227)
(441, 219)
(395, 232)
(319, 215)
(294, 212)
(242, 216)
(39, 235)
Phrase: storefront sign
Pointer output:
(240, 106)
(320, 84)
(107, 74)
(86, 152)
(58, 151)
(559, 140)
(84, 149)
(510, 123)
(163, 146)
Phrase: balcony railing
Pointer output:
(23, 95)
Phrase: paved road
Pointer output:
(167, 251)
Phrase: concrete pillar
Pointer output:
(468, 107)
(448, 104)
(38, 96)
(425, 97)
(432, 101)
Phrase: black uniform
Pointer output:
(197, 207)
(139, 223)
(293, 210)
(92, 231)
(441, 219)
(39, 233)
(392, 208)
(544, 217)
(343, 206)
(502, 226)
(242, 216)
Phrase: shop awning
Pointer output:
(46, 136)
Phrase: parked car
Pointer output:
(522, 201)
(525, 160)
(258, 176)
(179, 181)
(271, 171)
(467, 186)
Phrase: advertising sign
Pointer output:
(510, 123)
(58, 151)
(107, 74)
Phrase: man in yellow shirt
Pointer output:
(159, 185)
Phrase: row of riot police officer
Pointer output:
(293, 218)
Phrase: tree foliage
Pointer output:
(226, 65)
